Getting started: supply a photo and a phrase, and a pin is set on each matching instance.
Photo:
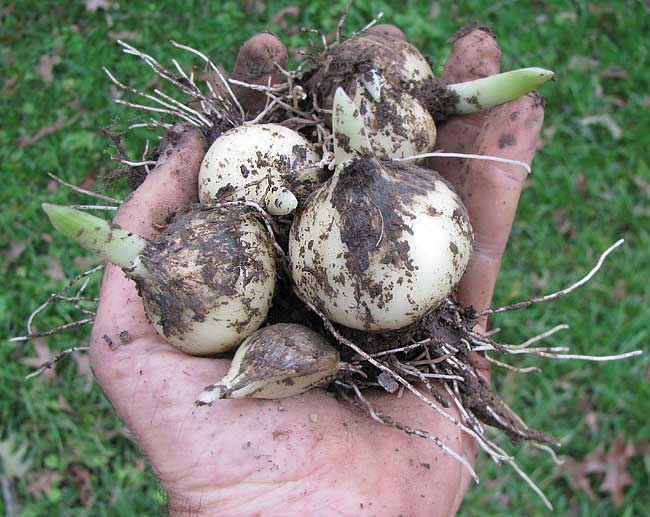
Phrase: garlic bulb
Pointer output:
(268, 164)
(278, 361)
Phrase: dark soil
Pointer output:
(135, 176)
(340, 66)
(433, 93)
(471, 27)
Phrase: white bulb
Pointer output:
(258, 163)
(397, 124)
(380, 244)
(210, 280)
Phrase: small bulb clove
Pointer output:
(277, 361)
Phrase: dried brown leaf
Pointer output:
(125, 35)
(643, 185)
(614, 465)
(64, 405)
(85, 263)
(80, 476)
(254, 6)
(604, 120)
(55, 271)
(567, 15)
(280, 18)
(594, 462)
(9, 86)
(642, 446)
(642, 210)
(615, 72)
(15, 250)
(90, 179)
(540, 282)
(547, 135)
(581, 182)
(617, 476)
(577, 473)
(592, 421)
(582, 63)
(83, 369)
(620, 289)
(60, 123)
(40, 482)
(46, 65)
(562, 223)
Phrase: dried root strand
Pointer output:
(84, 191)
(94, 207)
(401, 380)
(320, 33)
(507, 366)
(339, 25)
(542, 335)
(63, 296)
(171, 107)
(370, 24)
(215, 69)
(49, 364)
(386, 420)
(558, 294)
(55, 330)
(213, 105)
(446, 363)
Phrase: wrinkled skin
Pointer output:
(309, 455)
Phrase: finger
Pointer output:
(142, 375)
(386, 31)
(171, 185)
(261, 58)
(491, 190)
(475, 54)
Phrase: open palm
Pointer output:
(312, 454)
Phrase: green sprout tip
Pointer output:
(497, 89)
(121, 247)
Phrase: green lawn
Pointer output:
(590, 187)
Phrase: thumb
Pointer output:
(171, 185)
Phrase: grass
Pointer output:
(587, 191)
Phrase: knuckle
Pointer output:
(262, 47)
(387, 30)
(481, 51)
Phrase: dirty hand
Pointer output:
(313, 454)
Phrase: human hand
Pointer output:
(311, 454)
